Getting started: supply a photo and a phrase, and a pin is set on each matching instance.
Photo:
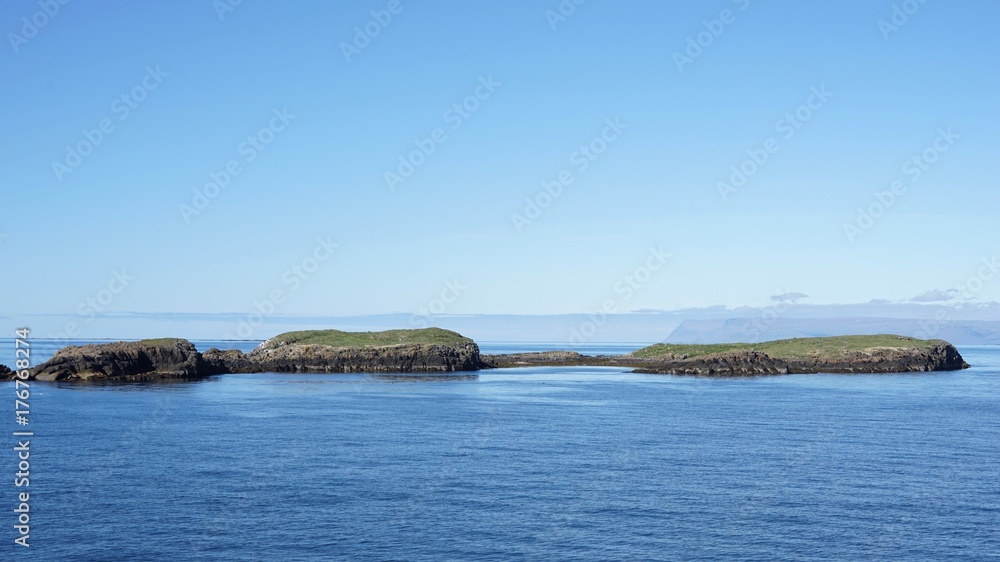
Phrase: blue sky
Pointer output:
(208, 83)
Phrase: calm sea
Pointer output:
(526, 464)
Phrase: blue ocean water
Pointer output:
(526, 464)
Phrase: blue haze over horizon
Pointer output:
(832, 104)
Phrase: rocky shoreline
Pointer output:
(166, 359)
(941, 357)
(151, 360)
(125, 361)
(315, 358)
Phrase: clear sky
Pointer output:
(309, 111)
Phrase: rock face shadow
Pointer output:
(430, 354)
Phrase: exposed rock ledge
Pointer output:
(733, 363)
(399, 351)
(315, 358)
(908, 357)
(440, 351)
(125, 361)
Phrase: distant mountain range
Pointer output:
(960, 324)
(968, 332)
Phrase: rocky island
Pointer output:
(434, 350)
(333, 351)
(144, 360)
(314, 351)
(840, 354)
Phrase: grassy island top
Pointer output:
(337, 338)
(796, 348)
(162, 341)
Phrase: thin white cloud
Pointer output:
(936, 295)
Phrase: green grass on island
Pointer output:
(161, 341)
(337, 338)
(795, 348)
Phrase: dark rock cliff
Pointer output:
(398, 358)
(940, 357)
(228, 361)
(729, 364)
(124, 361)
(178, 359)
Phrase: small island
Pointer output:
(840, 354)
(434, 350)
